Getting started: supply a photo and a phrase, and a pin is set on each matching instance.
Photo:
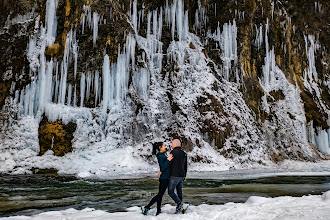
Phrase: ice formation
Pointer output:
(114, 132)
(227, 40)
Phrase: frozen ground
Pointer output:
(284, 207)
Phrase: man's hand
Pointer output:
(170, 157)
(159, 173)
(185, 179)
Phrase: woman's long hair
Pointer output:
(156, 146)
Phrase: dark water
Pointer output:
(32, 194)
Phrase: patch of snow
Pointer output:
(284, 207)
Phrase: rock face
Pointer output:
(241, 83)
(56, 137)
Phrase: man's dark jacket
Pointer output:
(178, 164)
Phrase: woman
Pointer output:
(164, 177)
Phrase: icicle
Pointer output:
(139, 23)
(266, 36)
(173, 10)
(311, 71)
(70, 47)
(259, 37)
(31, 48)
(75, 96)
(75, 54)
(106, 84)
(15, 102)
(95, 27)
(294, 29)
(185, 26)
(82, 22)
(179, 19)
(64, 69)
(26, 99)
(273, 10)
(141, 82)
(121, 81)
(160, 24)
(88, 84)
(45, 85)
(57, 85)
(154, 22)
(69, 95)
(142, 13)
(228, 44)
(167, 13)
(21, 109)
(322, 140)
(134, 15)
(215, 10)
(82, 89)
(196, 26)
(148, 25)
(96, 86)
(130, 49)
(89, 17)
(51, 21)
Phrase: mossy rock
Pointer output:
(186, 143)
(55, 136)
(198, 159)
(44, 171)
(312, 112)
(53, 49)
(252, 94)
(277, 95)
(215, 131)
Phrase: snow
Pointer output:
(310, 80)
(308, 207)
(273, 79)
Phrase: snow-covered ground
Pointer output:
(284, 207)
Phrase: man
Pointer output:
(178, 167)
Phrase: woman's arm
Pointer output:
(163, 162)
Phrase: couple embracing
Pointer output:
(173, 171)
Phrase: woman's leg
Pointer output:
(162, 188)
(152, 201)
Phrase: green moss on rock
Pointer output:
(55, 136)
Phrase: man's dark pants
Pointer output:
(175, 183)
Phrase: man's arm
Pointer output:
(185, 166)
